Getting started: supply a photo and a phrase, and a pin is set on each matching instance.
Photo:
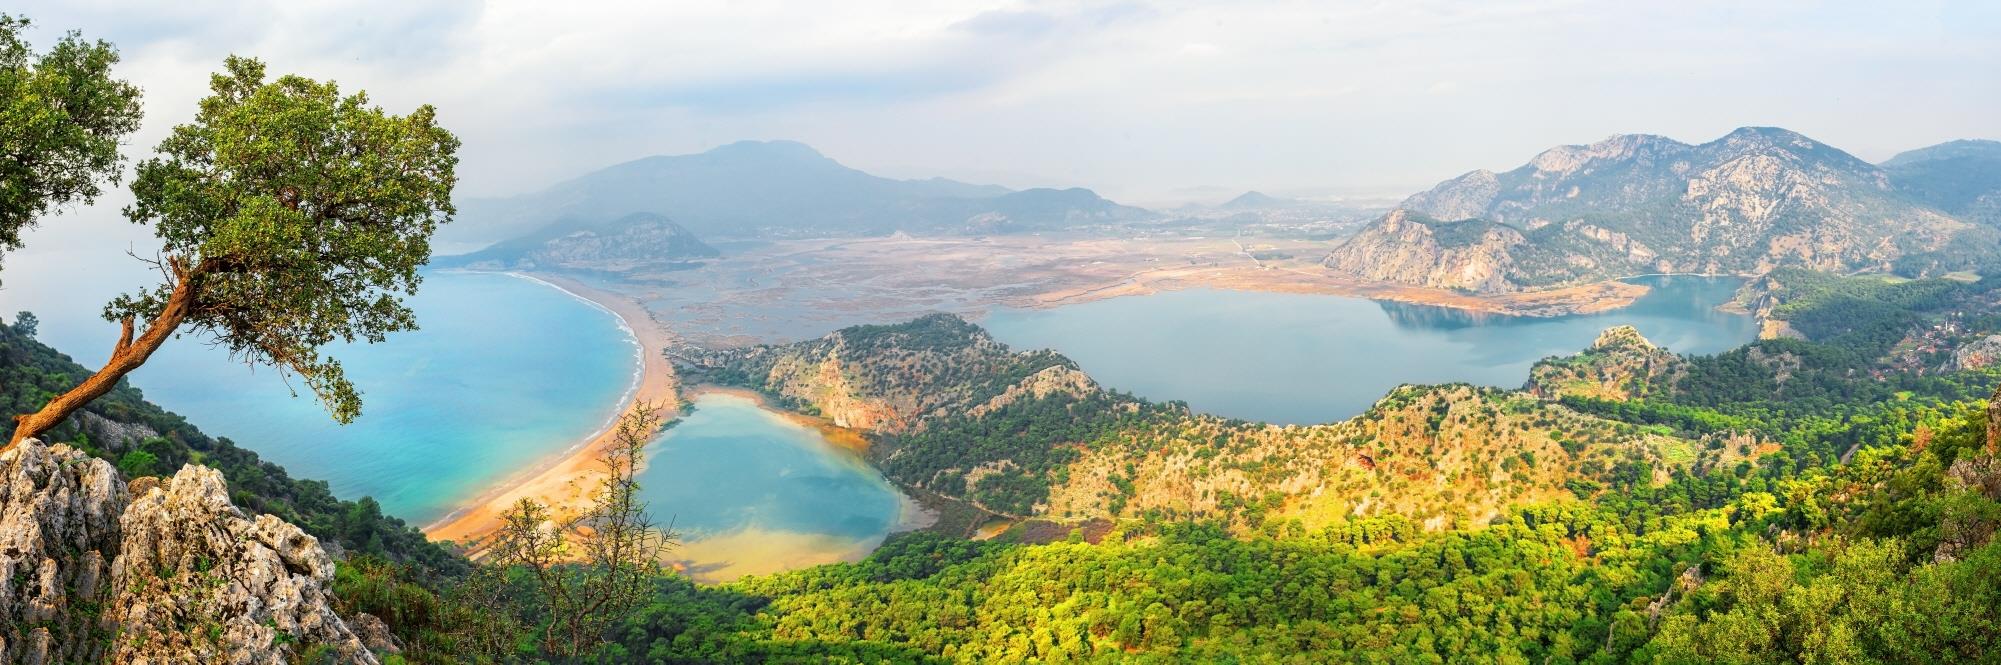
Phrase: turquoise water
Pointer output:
(505, 371)
(751, 491)
(1290, 358)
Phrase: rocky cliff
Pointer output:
(1413, 248)
(92, 570)
(1745, 203)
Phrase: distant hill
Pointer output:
(1255, 200)
(1959, 177)
(774, 187)
(1753, 200)
(1036, 209)
(638, 239)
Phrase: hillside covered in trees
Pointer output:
(955, 413)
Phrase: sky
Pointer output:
(1152, 103)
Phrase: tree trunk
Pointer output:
(128, 355)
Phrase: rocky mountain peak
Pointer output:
(91, 570)
(1570, 158)
(1744, 203)
(1622, 337)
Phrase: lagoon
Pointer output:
(504, 372)
(1293, 358)
(751, 491)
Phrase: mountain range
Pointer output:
(752, 188)
(1751, 201)
(1962, 178)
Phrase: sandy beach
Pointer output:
(564, 481)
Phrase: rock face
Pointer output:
(1980, 353)
(1412, 248)
(166, 573)
(1746, 203)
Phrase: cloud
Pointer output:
(1009, 23)
(1120, 96)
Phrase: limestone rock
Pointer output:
(59, 526)
(1412, 248)
(374, 633)
(1755, 199)
(189, 578)
(1977, 354)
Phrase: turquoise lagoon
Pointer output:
(1290, 358)
(504, 372)
(751, 491)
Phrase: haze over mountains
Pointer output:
(1753, 200)
(778, 188)
(1756, 199)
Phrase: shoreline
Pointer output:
(564, 479)
(1588, 298)
(912, 515)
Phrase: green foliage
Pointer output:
(64, 115)
(297, 216)
(1031, 435)
(139, 463)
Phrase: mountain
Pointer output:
(1748, 202)
(1412, 248)
(1959, 177)
(1255, 200)
(772, 187)
(635, 240)
(1039, 209)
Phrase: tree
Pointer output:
(26, 324)
(594, 569)
(291, 217)
(64, 115)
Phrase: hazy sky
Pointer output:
(1145, 101)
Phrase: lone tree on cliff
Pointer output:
(63, 114)
(291, 217)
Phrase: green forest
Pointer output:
(1799, 556)
(1829, 493)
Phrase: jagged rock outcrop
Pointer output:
(1977, 354)
(91, 570)
(1746, 203)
